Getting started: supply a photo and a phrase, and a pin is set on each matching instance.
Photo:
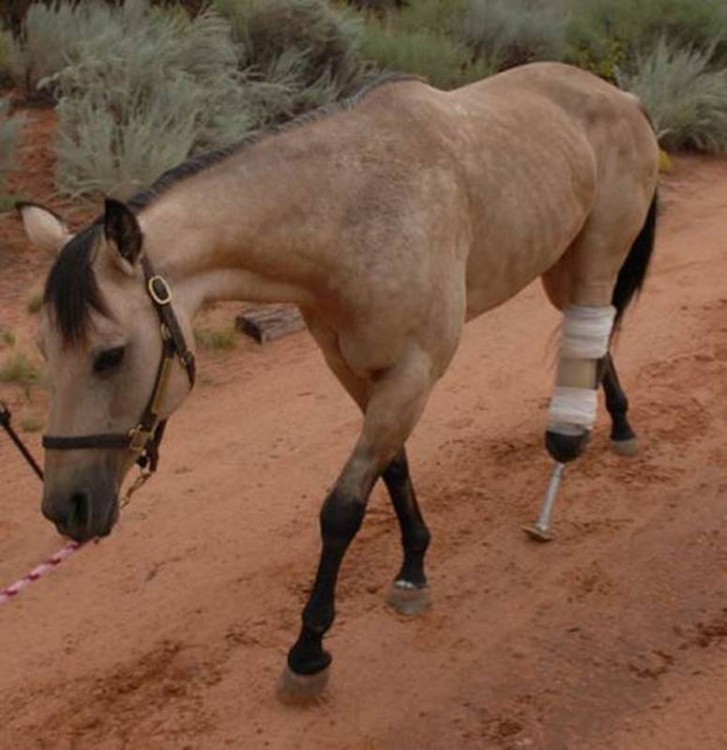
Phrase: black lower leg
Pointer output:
(341, 517)
(616, 402)
(415, 535)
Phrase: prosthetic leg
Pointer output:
(585, 337)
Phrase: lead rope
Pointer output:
(10, 592)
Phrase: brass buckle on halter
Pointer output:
(163, 298)
(138, 439)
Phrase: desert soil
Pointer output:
(171, 633)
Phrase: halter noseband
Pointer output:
(144, 439)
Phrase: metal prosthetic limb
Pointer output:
(540, 530)
(586, 333)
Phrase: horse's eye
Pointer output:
(109, 359)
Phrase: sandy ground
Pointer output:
(172, 632)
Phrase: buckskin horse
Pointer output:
(389, 220)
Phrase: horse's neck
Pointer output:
(235, 234)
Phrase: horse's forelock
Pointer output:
(72, 290)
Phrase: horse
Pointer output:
(389, 220)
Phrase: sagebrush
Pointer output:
(141, 88)
(296, 54)
(150, 87)
(437, 58)
(686, 99)
(514, 32)
(604, 35)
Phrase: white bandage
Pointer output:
(572, 406)
(586, 331)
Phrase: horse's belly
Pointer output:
(498, 271)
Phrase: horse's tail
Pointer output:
(633, 271)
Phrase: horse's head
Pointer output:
(102, 338)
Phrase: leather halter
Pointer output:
(144, 439)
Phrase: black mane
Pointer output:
(71, 289)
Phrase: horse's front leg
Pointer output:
(395, 406)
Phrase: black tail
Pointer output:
(633, 272)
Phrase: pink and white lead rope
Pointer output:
(43, 569)
(63, 554)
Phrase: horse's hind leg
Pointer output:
(582, 284)
(585, 338)
(409, 594)
(623, 439)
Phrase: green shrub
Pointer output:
(296, 54)
(421, 39)
(54, 36)
(147, 89)
(9, 131)
(436, 57)
(604, 34)
(513, 32)
(143, 88)
(686, 100)
(435, 16)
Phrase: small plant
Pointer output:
(7, 337)
(35, 302)
(21, 369)
(686, 99)
(31, 424)
(216, 340)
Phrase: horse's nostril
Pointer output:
(80, 509)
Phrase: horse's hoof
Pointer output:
(629, 447)
(408, 599)
(300, 689)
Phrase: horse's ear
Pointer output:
(122, 230)
(44, 228)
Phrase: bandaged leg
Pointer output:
(585, 337)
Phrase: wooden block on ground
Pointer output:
(270, 322)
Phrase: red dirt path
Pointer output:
(172, 632)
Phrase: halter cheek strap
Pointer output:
(144, 439)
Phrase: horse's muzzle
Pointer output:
(86, 512)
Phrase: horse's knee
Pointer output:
(341, 516)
